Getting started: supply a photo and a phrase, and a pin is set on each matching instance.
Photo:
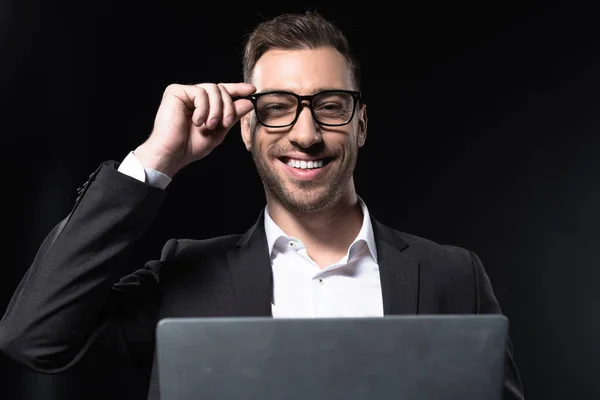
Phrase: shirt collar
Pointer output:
(365, 235)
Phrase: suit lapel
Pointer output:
(399, 273)
(251, 274)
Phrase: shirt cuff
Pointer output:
(133, 167)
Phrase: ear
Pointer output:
(362, 125)
(246, 129)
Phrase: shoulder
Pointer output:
(428, 251)
(451, 278)
(182, 257)
(192, 248)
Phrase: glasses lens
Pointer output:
(333, 108)
(276, 109)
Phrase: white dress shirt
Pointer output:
(350, 287)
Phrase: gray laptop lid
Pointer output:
(399, 357)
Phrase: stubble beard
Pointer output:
(302, 197)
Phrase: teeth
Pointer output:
(305, 164)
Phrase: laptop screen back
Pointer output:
(401, 357)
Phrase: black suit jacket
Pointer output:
(80, 297)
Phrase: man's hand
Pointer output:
(191, 121)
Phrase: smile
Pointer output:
(305, 164)
(305, 170)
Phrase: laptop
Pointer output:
(419, 357)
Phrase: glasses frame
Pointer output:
(356, 98)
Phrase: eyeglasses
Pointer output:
(278, 109)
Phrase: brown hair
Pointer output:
(296, 31)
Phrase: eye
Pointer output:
(272, 108)
(330, 106)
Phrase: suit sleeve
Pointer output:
(486, 303)
(79, 290)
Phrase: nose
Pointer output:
(306, 132)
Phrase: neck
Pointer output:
(328, 233)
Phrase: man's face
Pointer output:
(305, 167)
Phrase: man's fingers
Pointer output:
(242, 107)
(215, 99)
(228, 108)
(239, 89)
(212, 104)
(201, 106)
(195, 101)
(232, 109)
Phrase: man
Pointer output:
(303, 121)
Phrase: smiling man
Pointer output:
(315, 250)
(304, 138)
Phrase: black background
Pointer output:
(483, 132)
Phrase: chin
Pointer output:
(307, 201)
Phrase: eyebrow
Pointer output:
(316, 90)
